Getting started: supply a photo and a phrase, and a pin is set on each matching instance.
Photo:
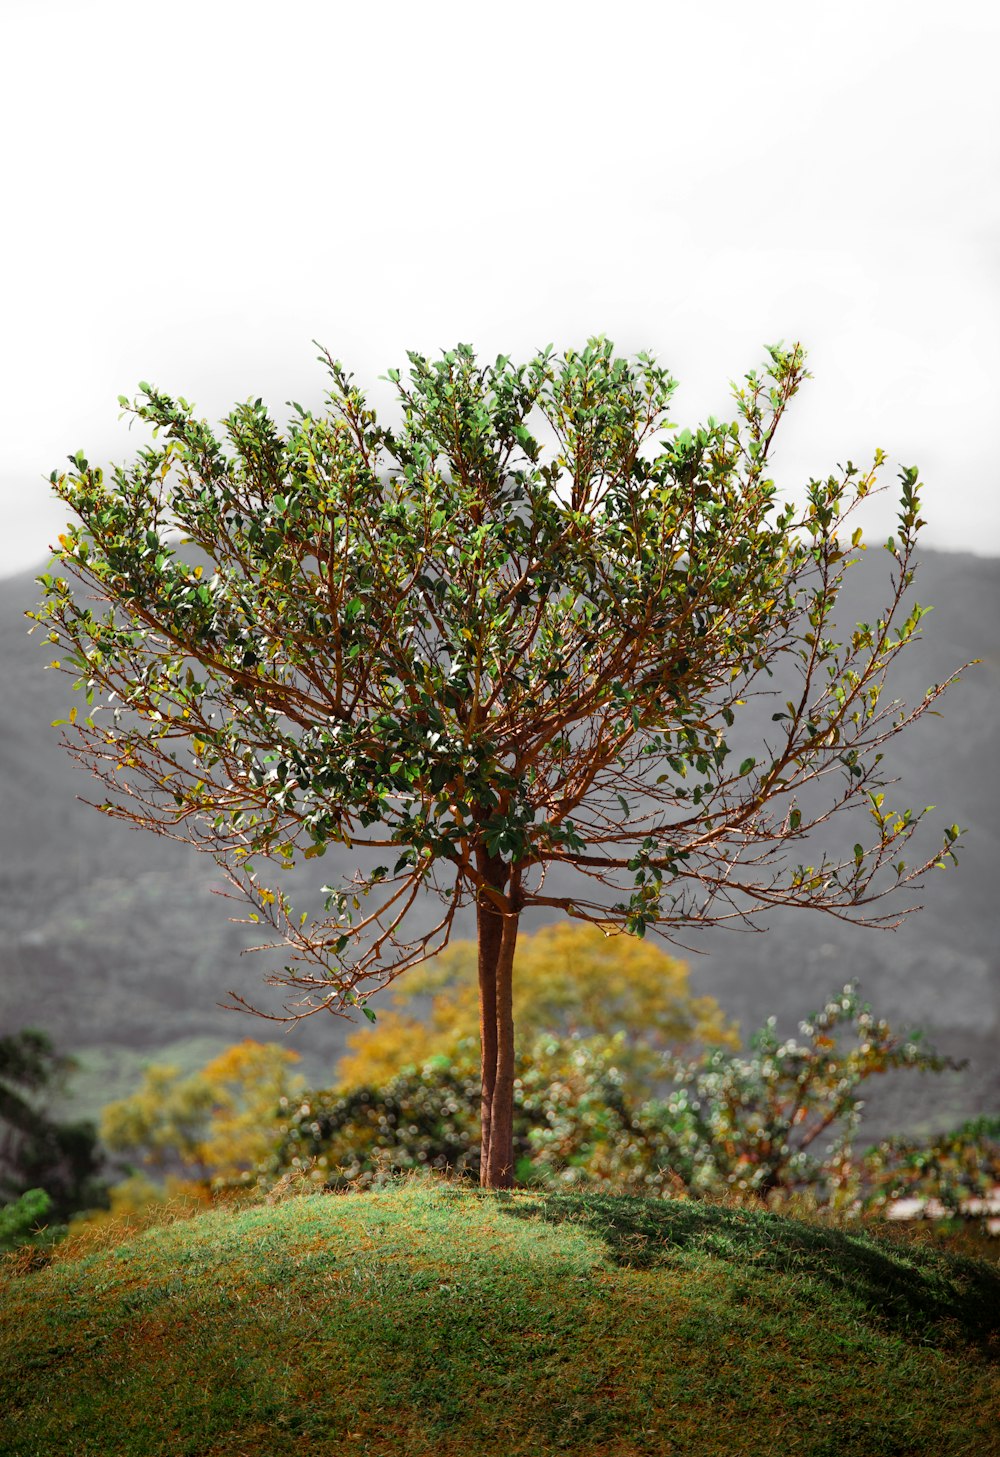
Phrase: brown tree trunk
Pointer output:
(497, 936)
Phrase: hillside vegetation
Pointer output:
(425, 1318)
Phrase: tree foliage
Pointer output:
(39, 1152)
(780, 1119)
(570, 980)
(498, 651)
(211, 1126)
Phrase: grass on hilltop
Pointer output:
(426, 1318)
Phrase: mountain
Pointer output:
(113, 941)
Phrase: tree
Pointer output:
(214, 1124)
(499, 652)
(568, 981)
(38, 1153)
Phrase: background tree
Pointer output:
(39, 1152)
(497, 652)
(570, 980)
(211, 1126)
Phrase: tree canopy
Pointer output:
(498, 651)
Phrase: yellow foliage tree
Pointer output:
(570, 979)
(215, 1124)
(249, 1081)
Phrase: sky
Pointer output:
(194, 193)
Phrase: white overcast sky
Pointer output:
(192, 193)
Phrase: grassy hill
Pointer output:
(428, 1319)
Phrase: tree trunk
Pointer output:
(497, 936)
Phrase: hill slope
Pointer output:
(425, 1319)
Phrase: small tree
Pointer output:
(508, 637)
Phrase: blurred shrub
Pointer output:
(954, 1177)
(778, 1122)
(41, 1157)
(208, 1128)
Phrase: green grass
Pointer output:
(429, 1319)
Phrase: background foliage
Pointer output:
(49, 1169)
(570, 980)
(781, 1119)
(213, 1125)
(625, 1083)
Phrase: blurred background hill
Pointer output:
(114, 943)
